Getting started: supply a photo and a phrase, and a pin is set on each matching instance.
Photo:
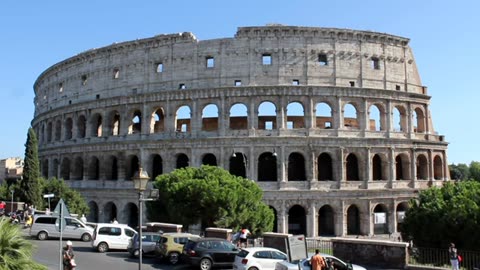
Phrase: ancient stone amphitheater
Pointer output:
(333, 124)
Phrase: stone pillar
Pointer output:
(169, 121)
(281, 117)
(283, 219)
(313, 165)
(410, 129)
(252, 116)
(341, 220)
(223, 114)
(312, 220)
(342, 165)
(392, 218)
(146, 119)
(430, 165)
(393, 166)
(413, 166)
(370, 220)
(283, 160)
(195, 119)
(250, 168)
(363, 114)
(368, 170)
(337, 113)
(389, 118)
(309, 114)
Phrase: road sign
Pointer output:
(48, 195)
(62, 211)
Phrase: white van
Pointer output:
(43, 227)
(112, 236)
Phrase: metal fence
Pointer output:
(440, 258)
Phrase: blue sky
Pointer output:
(444, 36)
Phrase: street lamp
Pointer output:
(140, 181)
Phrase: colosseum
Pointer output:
(333, 124)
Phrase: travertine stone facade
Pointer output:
(333, 124)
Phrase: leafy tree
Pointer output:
(15, 250)
(213, 197)
(73, 199)
(459, 172)
(29, 188)
(444, 215)
(475, 170)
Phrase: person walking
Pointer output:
(452, 251)
(83, 219)
(68, 257)
(244, 233)
(317, 262)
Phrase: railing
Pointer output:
(436, 257)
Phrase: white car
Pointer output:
(305, 264)
(258, 258)
(112, 236)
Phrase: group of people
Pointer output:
(241, 238)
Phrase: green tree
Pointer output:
(475, 170)
(15, 250)
(459, 172)
(73, 199)
(444, 215)
(213, 197)
(29, 188)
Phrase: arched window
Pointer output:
(399, 119)
(323, 113)
(81, 126)
(418, 121)
(296, 167)
(136, 123)
(158, 121)
(209, 159)
(238, 117)
(325, 167)
(377, 167)
(437, 168)
(267, 167)
(210, 118)
(68, 128)
(352, 167)
(182, 161)
(422, 167)
(267, 116)
(350, 120)
(295, 116)
(96, 125)
(375, 122)
(182, 119)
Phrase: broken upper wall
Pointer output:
(256, 56)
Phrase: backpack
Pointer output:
(459, 258)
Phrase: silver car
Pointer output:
(305, 264)
(44, 227)
(149, 242)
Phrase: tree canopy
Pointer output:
(211, 196)
(73, 199)
(444, 215)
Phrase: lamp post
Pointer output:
(140, 180)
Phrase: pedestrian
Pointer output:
(83, 219)
(244, 233)
(69, 257)
(317, 262)
(2, 207)
(115, 221)
(452, 251)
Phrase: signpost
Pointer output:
(62, 211)
(49, 196)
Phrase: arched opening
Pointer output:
(133, 166)
(295, 116)
(45, 168)
(209, 159)
(419, 121)
(182, 119)
(68, 128)
(402, 167)
(238, 164)
(56, 164)
(96, 125)
(115, 123)
(325, 167)
(323, 113)
(401, 210)
(131, 213)
(136, 123)
(326, 221)
(296, 167)
(81, 126)
(267, 116)
(267, 167)
(93, 214)
(94, 169)
(210, 118)
(238, 117)
(109, 212)
(49, 131)
(437, 168)
(422, 167)
(377, 167)
(352, 168)
(78, 169)
(157, 166)
(112, 168)
(275, 220)
(182, 161)
(353, 220)
(65, 170)
(350, 120)
(58, 130)
(158, 121)
(380, 219)
(297, 220)
(376, 119)
(399, 119)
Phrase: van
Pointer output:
(43, 227)
(112, 236)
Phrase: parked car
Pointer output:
(149, 242)
(305, 264)
(209, 252)
(43, 227)
(170, 245)
(111, 236)
(258, 258)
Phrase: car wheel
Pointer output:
(205, 264)
(173, 257)
(86, 237)
(42, 236)
(253, 268)
(102, 247)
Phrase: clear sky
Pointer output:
(444, 36)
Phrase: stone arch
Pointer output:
(275, 218)
(267, 167)
(78, 169)
(238, 116)
(295, 115)
(399, 119)
(182, 161)
(267, 115)
(400, 211)
(157, 123)
(132, 166)
(58, 130)
(81, 126)
(65, 169)
(350, 116)
(93, 214)
(380, 219)
(402, 167)
(238, 164)
(296, 167)
(68, 128)
(109, 212)
(209, 159)
(325, 167)
(56, 164)
(45, 168)
(114, 123)
(42, 133)
(418, 120)
(378, 168)
(352, 167)
(353, 220)
(323, 116)
(297, 220)
(130, 212)
(94, 169)
(422, 167)
(376, 115)
(157, 166)
(183, 119)
(49, 131)
(96, 123)
(437, 168)
(112, 168)
(135, 126)
(326, 221)
(210, 117)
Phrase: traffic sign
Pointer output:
(62, 211)
(48, 195)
